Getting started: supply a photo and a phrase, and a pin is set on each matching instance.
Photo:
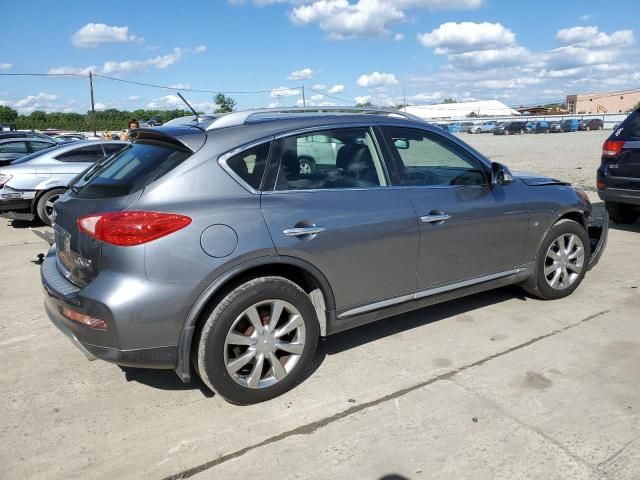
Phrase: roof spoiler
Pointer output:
(191, 138)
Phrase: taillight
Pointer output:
(4, 179)
(600, 185)
(612, 148)
(130, 228)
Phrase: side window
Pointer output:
(110, 149)
(13, 147)
(340, 158)
(37, 146)
(431, 160)
(249, 164)
(83, 155)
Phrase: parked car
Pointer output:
(211, 252)
(484, 127)
(30, 186)
(454, 127)
(591, 124)
(13, 148)
(537, 127)
(556, 127)
(465, 126)
(618, 177)
(22, 134)
(510, 128)
(443, 126)
(570, 125)
(69, 137)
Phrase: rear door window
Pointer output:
(249, 164)
(37, 146)
(131, 170)
(13, 147)
(89, 154)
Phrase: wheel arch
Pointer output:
(40, 193)
(307, 276)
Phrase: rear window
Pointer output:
(630, 128)
(131, 170)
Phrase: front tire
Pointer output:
(259, 341)
(622, 212)
(562, 261)
(44, 207)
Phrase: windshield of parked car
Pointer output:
(130, 170)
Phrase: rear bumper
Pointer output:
(60, 293)
(18, 208)
(620, 195)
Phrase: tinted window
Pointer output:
(341, 158)
(37, 146)
(131, 170)
(630, 128)
(13, 147)
(89, 154)
(111, 148)
(31, 156)
(431, 160)
(249, 164)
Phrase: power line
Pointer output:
(330, 96)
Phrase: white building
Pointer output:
(487, 108)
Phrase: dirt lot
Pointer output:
(573, 157)
(494, 386)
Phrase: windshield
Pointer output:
(34, 155)
(130, 169)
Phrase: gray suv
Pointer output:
(209, 250)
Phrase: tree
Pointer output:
(225, 104)
(635, 107)
(8, 115)
(449, 100)
(364, 104)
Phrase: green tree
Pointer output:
(449, 100)
(224, 104)
(8, 115)
(364, 104)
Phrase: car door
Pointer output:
(468, 228)
(345, 218)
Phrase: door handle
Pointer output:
(301, 231)
(435, 218)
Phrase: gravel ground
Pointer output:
(573, 157)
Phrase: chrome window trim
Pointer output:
(222, 161)
(427, 293)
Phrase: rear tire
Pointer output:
(562, 261)
(245, 357)
(44, 207)
(622, 212)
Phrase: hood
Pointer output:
(535, 179)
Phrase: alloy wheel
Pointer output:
(48, 206)
(264, 344)
(564, 261)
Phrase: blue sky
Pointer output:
(517, 52)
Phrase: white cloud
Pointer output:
(336, 89)
(169, 102)
(100, 106)
(180, 86)
(319, 86)
(463, 37)
(134, 98)
(398, 37)
(343, 19)
(199, 49)
(376, 79)
(44, 101)
(6, 66)
(94, 34)
(592, 37)
(316, 98)
(421, 98)
(363, 99)
(116, 68)
(304, 74)
(284, 92)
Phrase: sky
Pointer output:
(261, 52)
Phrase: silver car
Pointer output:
(30, 186)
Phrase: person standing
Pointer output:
(125, 135)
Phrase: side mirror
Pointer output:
(500, 175)
(401, 143)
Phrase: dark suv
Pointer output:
(510, 128)
(619, 172)
(209, 249)
(591, 124)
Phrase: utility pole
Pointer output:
(304, 102)
(93, 107)
(404, 96)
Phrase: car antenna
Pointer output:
(190, 107)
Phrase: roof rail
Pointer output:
(234, 119)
